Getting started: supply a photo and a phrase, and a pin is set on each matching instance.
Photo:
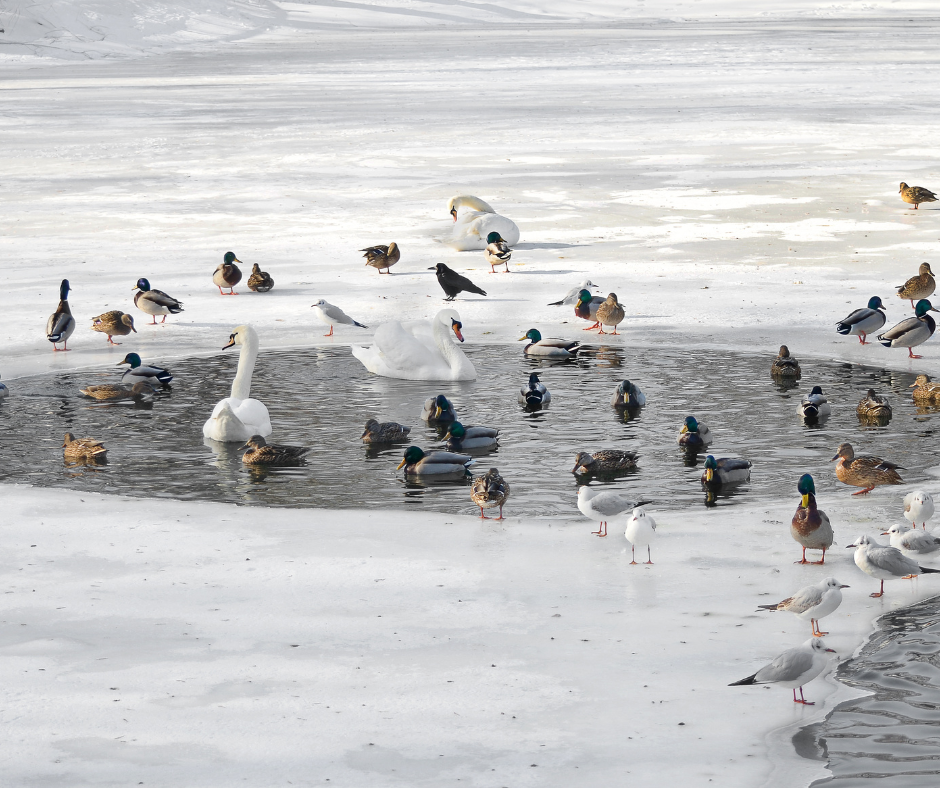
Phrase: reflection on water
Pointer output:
(890, 737)
(322, 398)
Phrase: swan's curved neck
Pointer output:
(442, 338)
(472, 202)
(241, 386)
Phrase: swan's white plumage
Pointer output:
(473, 225)
(417, 350)
(238, 417)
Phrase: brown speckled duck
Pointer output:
(83, 448)
(114, 323)
(259, 281)
(259, 452)
(920, 286)
(605, 461)
(115, 393)
(874, 408)
(926, 392)
(382, 256)
(915, 195)
(488, 491)
(864, 471)
(384, 432)
(785, 366)
(610, 313)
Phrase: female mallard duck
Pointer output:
(925, 391)
(610, 313)
(460, 438)
(920, 286)
(810, 526)
(549, 348)
(227, 274)
(83, 448)
(138, 372)
(438, 410)
(874, 408)
(727, 470)
(694, 434)
(785, 366)
(863, 322)
(915, 195)
(586, 308)
(534, 393)
(864, 471)
(259, 281)
(114, 323)
(61, 324)
(911, 332)
(605, 461)
(435, 463)
(114, 393)
(488, 491)
(814, 405)
(155, 302)
(386, 432)
(628, 395)
(497, 252)
(382, 256)
(259, 452)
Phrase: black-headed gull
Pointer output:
(571, 297)
(885, 563)
(793, 668)
(333, 316)
(641, 528)
(603, 506)
(812, 602)
(910, 540)
(918, 507)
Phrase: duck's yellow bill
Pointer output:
(709, 473)
(403, 462)
(684, 430)
(805, 500)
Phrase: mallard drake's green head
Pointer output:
(533, 380)
(923, 307)
(230, 258)
(816, 390)
(690, 425)
(131, 358)
(413, 454)
(532, 335)
(584, 297)
(64, 290)
(442, 405)
(142, 284)
(493, 238)
(806, 487)
(710, 467)
(457, 431)
(875, 303)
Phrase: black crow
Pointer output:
(453, 283)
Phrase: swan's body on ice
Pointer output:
(472, 226)
(418, 350)
(238, 417)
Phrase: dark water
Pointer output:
(322, 397)
(891, 737)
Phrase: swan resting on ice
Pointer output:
(472, 226)
(238, 417)
(418, 350)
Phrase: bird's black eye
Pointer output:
(456, 324)
(231, 336)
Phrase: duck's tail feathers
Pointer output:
(175, 310)
(883, 341)
(843, 328)
(748, 680)
(165, 378)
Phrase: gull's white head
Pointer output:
(863, 540)
(831, 582)
(818, 646)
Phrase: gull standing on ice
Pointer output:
(333, 316)
(885, 563)
(918, 507)
(641, 528)
(793, 668)
(911, 541)
(812, 602)
(573, 295)
(603, 506)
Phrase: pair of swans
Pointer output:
(418, 350)
(472, 226)
(238, 417)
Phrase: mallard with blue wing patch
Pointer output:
(436, 463)
(534, 393)
(489, 491)
(911, 332)
(864, 471)
(139, 371)
(863, 322)
(549, 348)
(61, 324)
(810, 526)
(382, 256)
(918, 287)
(114, 323)
(155, 302)
(925, 391)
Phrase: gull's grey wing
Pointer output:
(804, 599)
(890, 559)
(611, 504)
(789, 666)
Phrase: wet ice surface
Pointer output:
(322, 397)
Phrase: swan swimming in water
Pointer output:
(418, 350)
(238, 417)
(471, 227)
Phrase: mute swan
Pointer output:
(473, 226)
(418, 350)
(238, 418)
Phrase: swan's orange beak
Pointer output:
(231, 341)
(453, 212)
(457, 333)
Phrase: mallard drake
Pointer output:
(920, 286)
(386, 432)
(259, 281)
(490, 490)
(640, 530)
(814, 405)
(460, 438)
(435, 463)
(259, 452)
(155, 302)
(453, 283)
(227, 274)
(497, 252)
(114, 393)
(605, 461)
(627, 395)
(610, 313)
(61, 324)
(810, 526)
(874, 408)
(785, 366)
(438, 410)
(83, 448)
(918, 507)
(925, 391)
(915, 195)
(137, 372)
(864, 471)
(863, 322)
(534, 393)
(574, 294)
(586, 308)
(333, 316)
(114, 323)
(551, 348)
(382, 256)
(694, 434)
(727, 470)
(812, 603)
(911, 332)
